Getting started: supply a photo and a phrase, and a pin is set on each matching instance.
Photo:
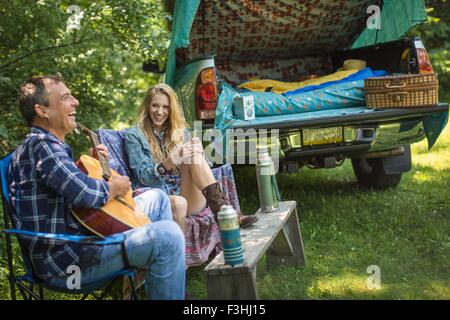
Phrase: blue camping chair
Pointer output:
(27, 282)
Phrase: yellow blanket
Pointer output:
(280, 86)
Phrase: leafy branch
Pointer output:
(43, 50)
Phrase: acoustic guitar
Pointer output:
(117, 215)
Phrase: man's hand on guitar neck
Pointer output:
(118, 186)
(102, 149)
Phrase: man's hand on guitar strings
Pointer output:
(118, 186)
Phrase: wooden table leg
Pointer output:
(287, 248)
(232, 285)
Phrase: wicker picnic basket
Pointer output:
(404, 91)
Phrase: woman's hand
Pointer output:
(183, 153)
(102, 149)
(191, 148)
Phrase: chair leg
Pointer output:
(9, 255)
(106, 291)
(41, 293)
(133, 288)
(32, 292)
(27, 293)
(33, 295)
(96, 296)
(22, 291)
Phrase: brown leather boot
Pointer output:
(215, 199)
(246, 220)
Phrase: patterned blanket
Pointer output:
(202, 232)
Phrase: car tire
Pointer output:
(370, 174)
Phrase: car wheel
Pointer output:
(370, 174)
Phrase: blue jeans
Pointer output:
(158, 248)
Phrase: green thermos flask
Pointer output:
(267, 183)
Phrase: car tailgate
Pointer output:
(341, 117)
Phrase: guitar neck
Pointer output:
(101, 158)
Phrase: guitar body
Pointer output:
(117, 215)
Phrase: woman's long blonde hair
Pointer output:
(173, 126)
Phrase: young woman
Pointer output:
(159, 158)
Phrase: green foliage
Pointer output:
(100, 62)
(436, 36)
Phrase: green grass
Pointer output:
(405, 231)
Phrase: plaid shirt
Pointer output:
(45, 183)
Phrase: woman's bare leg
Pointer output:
(194, 178)
(179, 208)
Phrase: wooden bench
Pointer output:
(277, 234)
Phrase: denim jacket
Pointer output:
(141, 160)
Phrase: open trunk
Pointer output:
(281, 40)
(256, 39)
(287, 41)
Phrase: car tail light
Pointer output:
(423, 61)
(206, 94)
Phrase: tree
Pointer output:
(436, 36)
(101, 61)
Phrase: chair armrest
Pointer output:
(116, 239)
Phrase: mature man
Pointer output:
(46, 183)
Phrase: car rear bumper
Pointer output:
(361, 133)
(377, 116)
